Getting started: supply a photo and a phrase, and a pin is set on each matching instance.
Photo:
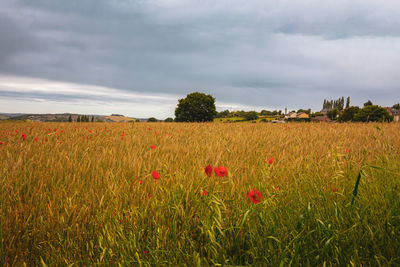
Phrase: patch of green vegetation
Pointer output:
(231, 119)
(242, 119)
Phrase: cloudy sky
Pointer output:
(138, 57)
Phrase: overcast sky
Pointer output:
(138, 57)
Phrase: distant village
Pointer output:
(332, 111)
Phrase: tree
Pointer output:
(266, 112)
(338, 103)
(341, 103)
(69, 118)
(396, 106)
(251, 115)
(169, 119)
(373, 113)
(196, 107)
(348, 102)
(222, 114)
(348, 114)
(332, 114)
(368, 103)
(92, 118)
(152, 119)
(78, 119)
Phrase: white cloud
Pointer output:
(32, 95)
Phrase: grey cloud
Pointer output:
(292, 53)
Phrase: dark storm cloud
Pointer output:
(256, 53)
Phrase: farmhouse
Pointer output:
(395, 113)
(302, 115)
(295, 115)
(325, 110)
(320, 119)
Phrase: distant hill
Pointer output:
(117, 118)
(62, 117)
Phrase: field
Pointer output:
(75, 194)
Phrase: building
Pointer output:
(395, 113)
(325, 110)
(320, 119)
(302, 115)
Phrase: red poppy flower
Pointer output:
(270, 161)
(153, 147)
(36, 139)
(221, 171)
(347, 150)
(208, 170)
(145, 252)
(122, 138)
(334, 189)
(140, 182)
(255, 196)
(156, 175)
(204, 193)
(150, 195)
(23, 136)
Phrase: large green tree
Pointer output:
(349, 113)
(196, 107)
(372, 113)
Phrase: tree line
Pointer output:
(338, 103)
(82, 118)
(200, 107)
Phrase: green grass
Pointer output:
(74, 198)
(230, 119)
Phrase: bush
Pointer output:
(152, 119)
(251, 115)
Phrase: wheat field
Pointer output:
(84, 194)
